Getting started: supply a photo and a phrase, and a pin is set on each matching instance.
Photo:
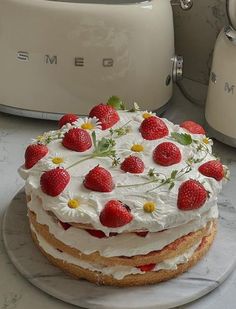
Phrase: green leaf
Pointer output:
(173, 174)
(182, 138)
(116, 103)
(172, 184)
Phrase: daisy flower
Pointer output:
(146, 209)
(66, 128)
(54, 160)
(70, 203)
(142, 115)
(138, 148)
(207, 141)
(47, 137)
(88, 123)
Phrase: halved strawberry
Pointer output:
(132, 164)
(153, 128)
(34, 153)
(77, 139)
(213, 168)
(99, 179)
(115, 214)
(192, 127)
(167, 154)
(106, 114)
(67, 118)
(54, 181)
(192, 195)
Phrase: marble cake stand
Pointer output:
(204, 277)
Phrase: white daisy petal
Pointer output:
(139, 148)
(88, 123)
(54, 160)
(141, 115)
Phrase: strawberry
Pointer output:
(54, 181)
(192, 195)
(106, 114)
(115, 214)
(167, 154)
(213, 168)
(142, 234)
(192, 127)
(34, 153)
(77, 139)
(67, 118)
(132, 165)
(100, 234)
(96, 233)
(148, 267)
(153, 128)
(65, 225)
(99, 179)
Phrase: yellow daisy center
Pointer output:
(206, 141)
(147, 115)
(137, 148)
(149, 207)
(87, 126)
(73, 203)
(57, 160)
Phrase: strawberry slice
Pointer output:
(100, 234)
(148, 267)
(65, 225)
(96, 233)
(142, 234)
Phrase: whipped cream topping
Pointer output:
(117, 272)
(119, 245)
(166, 215)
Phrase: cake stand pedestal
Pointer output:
(198, 281)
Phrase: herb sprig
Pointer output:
(105, 147)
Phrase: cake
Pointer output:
(122, 197)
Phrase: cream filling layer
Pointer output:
(120, 245)
(117, 272)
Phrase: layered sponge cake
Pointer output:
(122, 197)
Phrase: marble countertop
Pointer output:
(15, 134)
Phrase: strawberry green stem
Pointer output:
(137, 184)
(80, 161)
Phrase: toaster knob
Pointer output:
(184, 4)
(178, 64)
